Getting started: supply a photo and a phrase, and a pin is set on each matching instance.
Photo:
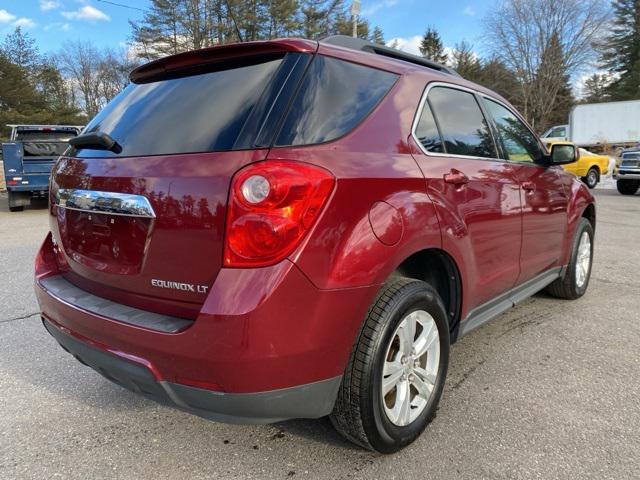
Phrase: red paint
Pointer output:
(295, 321)
(386, 223)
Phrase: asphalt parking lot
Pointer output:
(549, 390)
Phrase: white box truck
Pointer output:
(598, 125)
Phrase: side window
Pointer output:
(334, 97)
(427, 131)
(463, 127)
(518, 141)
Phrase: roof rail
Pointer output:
(365, 46)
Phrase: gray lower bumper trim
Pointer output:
(313, 400)
(67, 292)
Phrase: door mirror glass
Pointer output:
(563, 154)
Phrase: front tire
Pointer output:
(628, 187)
(576, 279)
(396, 373)
(592, 178)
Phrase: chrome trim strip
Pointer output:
(110, 203)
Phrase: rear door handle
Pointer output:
(456, 177)
(530, 187)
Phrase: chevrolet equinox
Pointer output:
(293, 229)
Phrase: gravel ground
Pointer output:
(548, 390)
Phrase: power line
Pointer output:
(123, 6)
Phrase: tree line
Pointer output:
(533, 52)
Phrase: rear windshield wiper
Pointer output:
(95, 141)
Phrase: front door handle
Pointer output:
(529, 187)
(456, 177)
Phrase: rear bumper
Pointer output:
(267, 344)
(627, 175)
(34, 182)
(305, 401)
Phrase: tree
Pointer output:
(496, 76)
(377, 36)
(596, 87)
(551, 87)
(466, 62)
(520, 34)
(431, 46)
(21, 50)
(621, 50)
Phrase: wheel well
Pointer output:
(590, 214)
(594, 167)
(439, 270)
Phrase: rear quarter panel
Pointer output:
(372, 164)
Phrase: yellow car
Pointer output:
(589, 166)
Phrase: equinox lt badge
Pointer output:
(185, 287)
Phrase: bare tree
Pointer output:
(98, 75)
(80, 61)
(526, 36)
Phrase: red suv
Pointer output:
(294, 229)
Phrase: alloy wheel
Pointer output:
(410, 368)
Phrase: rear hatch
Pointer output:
(145, 219)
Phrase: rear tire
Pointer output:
(363, 413)
(576, 279)
(628, 187)
(17, 201)
(592, 178)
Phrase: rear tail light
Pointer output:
(272, 206)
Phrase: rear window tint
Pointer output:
(199, 113)
(334, 97)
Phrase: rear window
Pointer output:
(334, 97)
(44, 136)
(199, 113)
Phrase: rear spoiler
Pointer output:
(198, 61)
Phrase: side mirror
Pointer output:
(562, 154)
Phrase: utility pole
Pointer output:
(355, 11)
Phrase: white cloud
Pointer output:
(469, 11)
(46, 5)
(409, 45)
(88, 13)
(65, 27)
(6, 17)
(373, 8)
(24, 22)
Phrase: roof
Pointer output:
(376, 49)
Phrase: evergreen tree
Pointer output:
(496, 76)
(595, 89)
(377, 36)
(466, 62)
(552, 92)
(621, 50)
(21, 50)
(431, 46)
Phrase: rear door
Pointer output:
(476, 194)
(543, 196)
(147, 220)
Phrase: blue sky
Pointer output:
(51, 22)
